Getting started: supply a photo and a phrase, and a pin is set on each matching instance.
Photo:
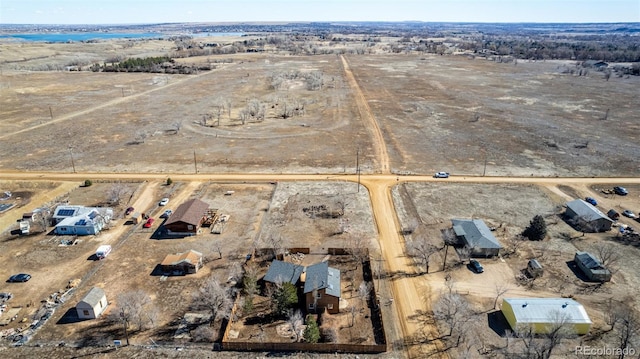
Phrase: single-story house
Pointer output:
(591, 267)
(183, 263)
(81, 221)
(587, 217)
(187, 218)
(543, 314)
(322, 288)
(283, 272)
(93, 304)
(475, 235)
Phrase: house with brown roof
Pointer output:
(182, 263)
(187, 219)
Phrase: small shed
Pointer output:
(93, 304)
(182, 263)
(534, 268)
(613, 214)
(592, 267)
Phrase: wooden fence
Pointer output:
(306, 347)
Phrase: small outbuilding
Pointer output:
(613, 214)
(182, 263)
(475, 235)
(534, 268)
(187, 219)
(591, 267)
(542, 315)
(93, 304)
(586, 217)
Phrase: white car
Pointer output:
(441, 175)
(164, 201)
(628, 213)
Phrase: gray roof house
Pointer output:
(322, 288)
(475, 234)
(283, 272)
(591, 267)
(586, 217)
(92, 305)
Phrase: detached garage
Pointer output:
(187, 219)
(93, 304)
(543, 314)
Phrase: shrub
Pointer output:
(169, 181)
(537, 229)
(87, 183)
(311, 332)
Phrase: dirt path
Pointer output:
(113, 102)
(369, 120)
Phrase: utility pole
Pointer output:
(484, 170)
(50, 112)
(73, 165)
(125, 323)
(195, 161)
(122, 88)
(358, 167)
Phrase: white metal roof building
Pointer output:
(542, 314)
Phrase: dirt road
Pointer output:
(369, 120)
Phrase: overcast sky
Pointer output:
(156, 11)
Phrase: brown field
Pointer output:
(471, 117)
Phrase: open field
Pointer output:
(467, 116)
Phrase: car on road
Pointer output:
(22, 277)
(591, 200)
(129, 211)
(476, 266)
(628, 213)
(166, 214)
(441, 175)
(148, 223)
(164, 201)
(621, 191)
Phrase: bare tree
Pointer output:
(135, 309)
(359, 250)
(420, 248)
(500, 289)
(541, 345)
(449, 238)
(364, 290)
(627, 330)
(116, 192)
(276, 244)
(353, 312)
(177, 126)
(453, 311)
(214, 298)
(296, 323)
(609, 255)
(514, 243)
(139, 138)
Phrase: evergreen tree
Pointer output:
(311, 332)
(537, 229)
(284, 298)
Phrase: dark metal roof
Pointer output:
(476, 233)
(283, 272)
(321, 276)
